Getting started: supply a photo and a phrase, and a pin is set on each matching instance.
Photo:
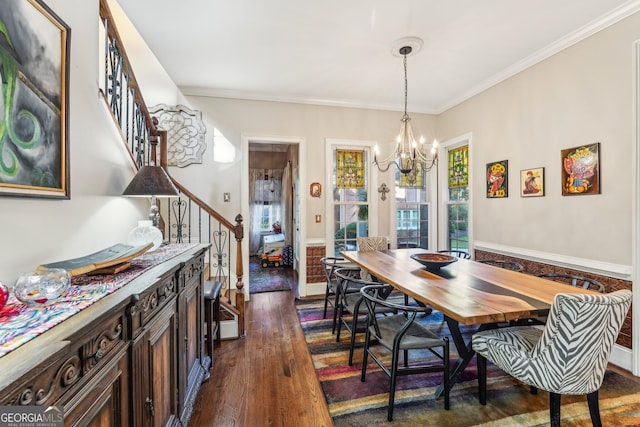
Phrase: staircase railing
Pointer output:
(187, 218)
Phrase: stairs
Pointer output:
(184, 218)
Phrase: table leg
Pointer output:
(465, 352)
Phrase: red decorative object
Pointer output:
(4, 295)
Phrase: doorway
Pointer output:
(271, 221)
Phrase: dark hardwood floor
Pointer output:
(266, 378)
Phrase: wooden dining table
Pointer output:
(465, 292)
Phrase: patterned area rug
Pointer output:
(269, 279)
(509, 403)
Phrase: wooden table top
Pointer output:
(467, 291)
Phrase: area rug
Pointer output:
(269, 279)
(509, 403)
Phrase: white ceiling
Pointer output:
(339, 52)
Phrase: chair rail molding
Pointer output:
(617, 271)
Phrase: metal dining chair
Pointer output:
(568, 356)
(509, 265)
(332, 295)
(350, 314)
(457, 253)
(573, 280)
(401, 334)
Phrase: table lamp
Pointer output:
(151, 181)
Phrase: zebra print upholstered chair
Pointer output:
(568, 356)
(367, 244)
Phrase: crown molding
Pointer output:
(569, 40)
(605, 21)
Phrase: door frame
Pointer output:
(244, 202)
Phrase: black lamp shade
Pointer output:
(151, 181)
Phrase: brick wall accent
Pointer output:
(315, 271)
(532, 267)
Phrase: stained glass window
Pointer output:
(349, 169)
(459, 167)
(413, 179)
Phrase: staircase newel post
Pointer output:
(239, 235)
(238, 231)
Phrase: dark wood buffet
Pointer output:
(135, 357)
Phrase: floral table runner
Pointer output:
(20, 323)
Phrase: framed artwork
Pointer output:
(581, 170)
(497, 179)
(315, 189)
(34, 66)
(532, 182)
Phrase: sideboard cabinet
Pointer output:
(135, 357)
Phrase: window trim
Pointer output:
(330, 145)
(443, 194)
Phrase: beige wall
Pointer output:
(578, 96)
(235, 118)
(581, 95)
(37, 231)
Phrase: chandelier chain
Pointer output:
(406, 84)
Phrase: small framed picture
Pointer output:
(315, 189)
(581, 170)
(532, 182)
(497, 179)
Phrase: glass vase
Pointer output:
(42, 287)
(145, 233)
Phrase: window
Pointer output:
(412, 217)
(350, 203)
(268, 208)
(458, 199)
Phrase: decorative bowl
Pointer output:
(42, 287)
(433, 261)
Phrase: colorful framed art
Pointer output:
(498, 179)
(34, 64)
(581, 170)
(532, 182)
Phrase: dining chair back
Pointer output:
(350, 309)
(371, 244)
(330, 264)
(572, 280)
(457, 253)
(509, 265)
(400, 334)
(368, 244)
(568, 356)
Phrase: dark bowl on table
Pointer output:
(434, 261)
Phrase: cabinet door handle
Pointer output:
(150, 407)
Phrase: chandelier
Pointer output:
(408, 155)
